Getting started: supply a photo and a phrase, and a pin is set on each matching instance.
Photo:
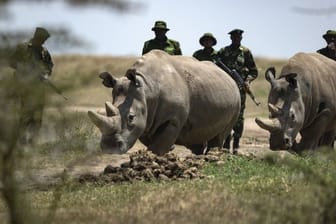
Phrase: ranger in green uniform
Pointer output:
(32, 63)
(161, 41)
(207, 53)
(240, 58)
(330, 50)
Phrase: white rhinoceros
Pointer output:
(163, 100)
(302, 99)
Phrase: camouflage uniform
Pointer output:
(170, 46)
(206, 54)
(330, 50)
(31, 64)
(202, 55)
(241, 59)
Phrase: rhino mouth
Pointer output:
(112, 144)
(278, 139)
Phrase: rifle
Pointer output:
(239, 80)
(45, 80)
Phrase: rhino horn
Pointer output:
(270, 125)
(105, 124)
(111, 110)
(274, 110)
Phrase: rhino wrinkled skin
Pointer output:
(164, 100)
(302, 99)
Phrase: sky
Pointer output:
(272, 28)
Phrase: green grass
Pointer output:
(240, 190)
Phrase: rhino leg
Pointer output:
(311, 135)
(218, 140)
(164, 138)
(197, 149)
(328, 139)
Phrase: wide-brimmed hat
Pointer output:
(160, 25)
(329, 33)
(41, 33)
(207, 35)
(236, 31)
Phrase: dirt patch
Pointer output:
(142, 165)
(145, 166)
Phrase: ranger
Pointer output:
(208, 53)
(239, 58)
(33, 64)
(330, 50)
(161, 41)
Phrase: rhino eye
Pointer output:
(281, 93)
(130, 118)
(292, 116)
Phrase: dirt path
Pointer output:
(254, 143)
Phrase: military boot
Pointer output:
(235, 145)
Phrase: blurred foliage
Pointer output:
(62, 38)
(118, 5)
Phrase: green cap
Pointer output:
(160, 25)
(236, 31)
(207, 35)
(329, 33)
(41, 33)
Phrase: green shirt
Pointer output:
(203, 55)
(328, 53)
(170, 46)
(31, 62)
(241, 60)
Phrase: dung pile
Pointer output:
(145, 166)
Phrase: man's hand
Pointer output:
(43, 77)
(245, 71)
(247, 86)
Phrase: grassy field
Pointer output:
(238, 189)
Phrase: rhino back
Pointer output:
(199, 95)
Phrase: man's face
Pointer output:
(208, 42)
(38, 41)
(160, 33)
(331, 41)
(236, 38)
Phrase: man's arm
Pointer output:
(252, 71)
(16, 56)
(145, 48)
(47, 61)
(178, 50)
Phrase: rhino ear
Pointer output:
(291, 79)
(270, 74)
(131, 75)
(108, 80)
